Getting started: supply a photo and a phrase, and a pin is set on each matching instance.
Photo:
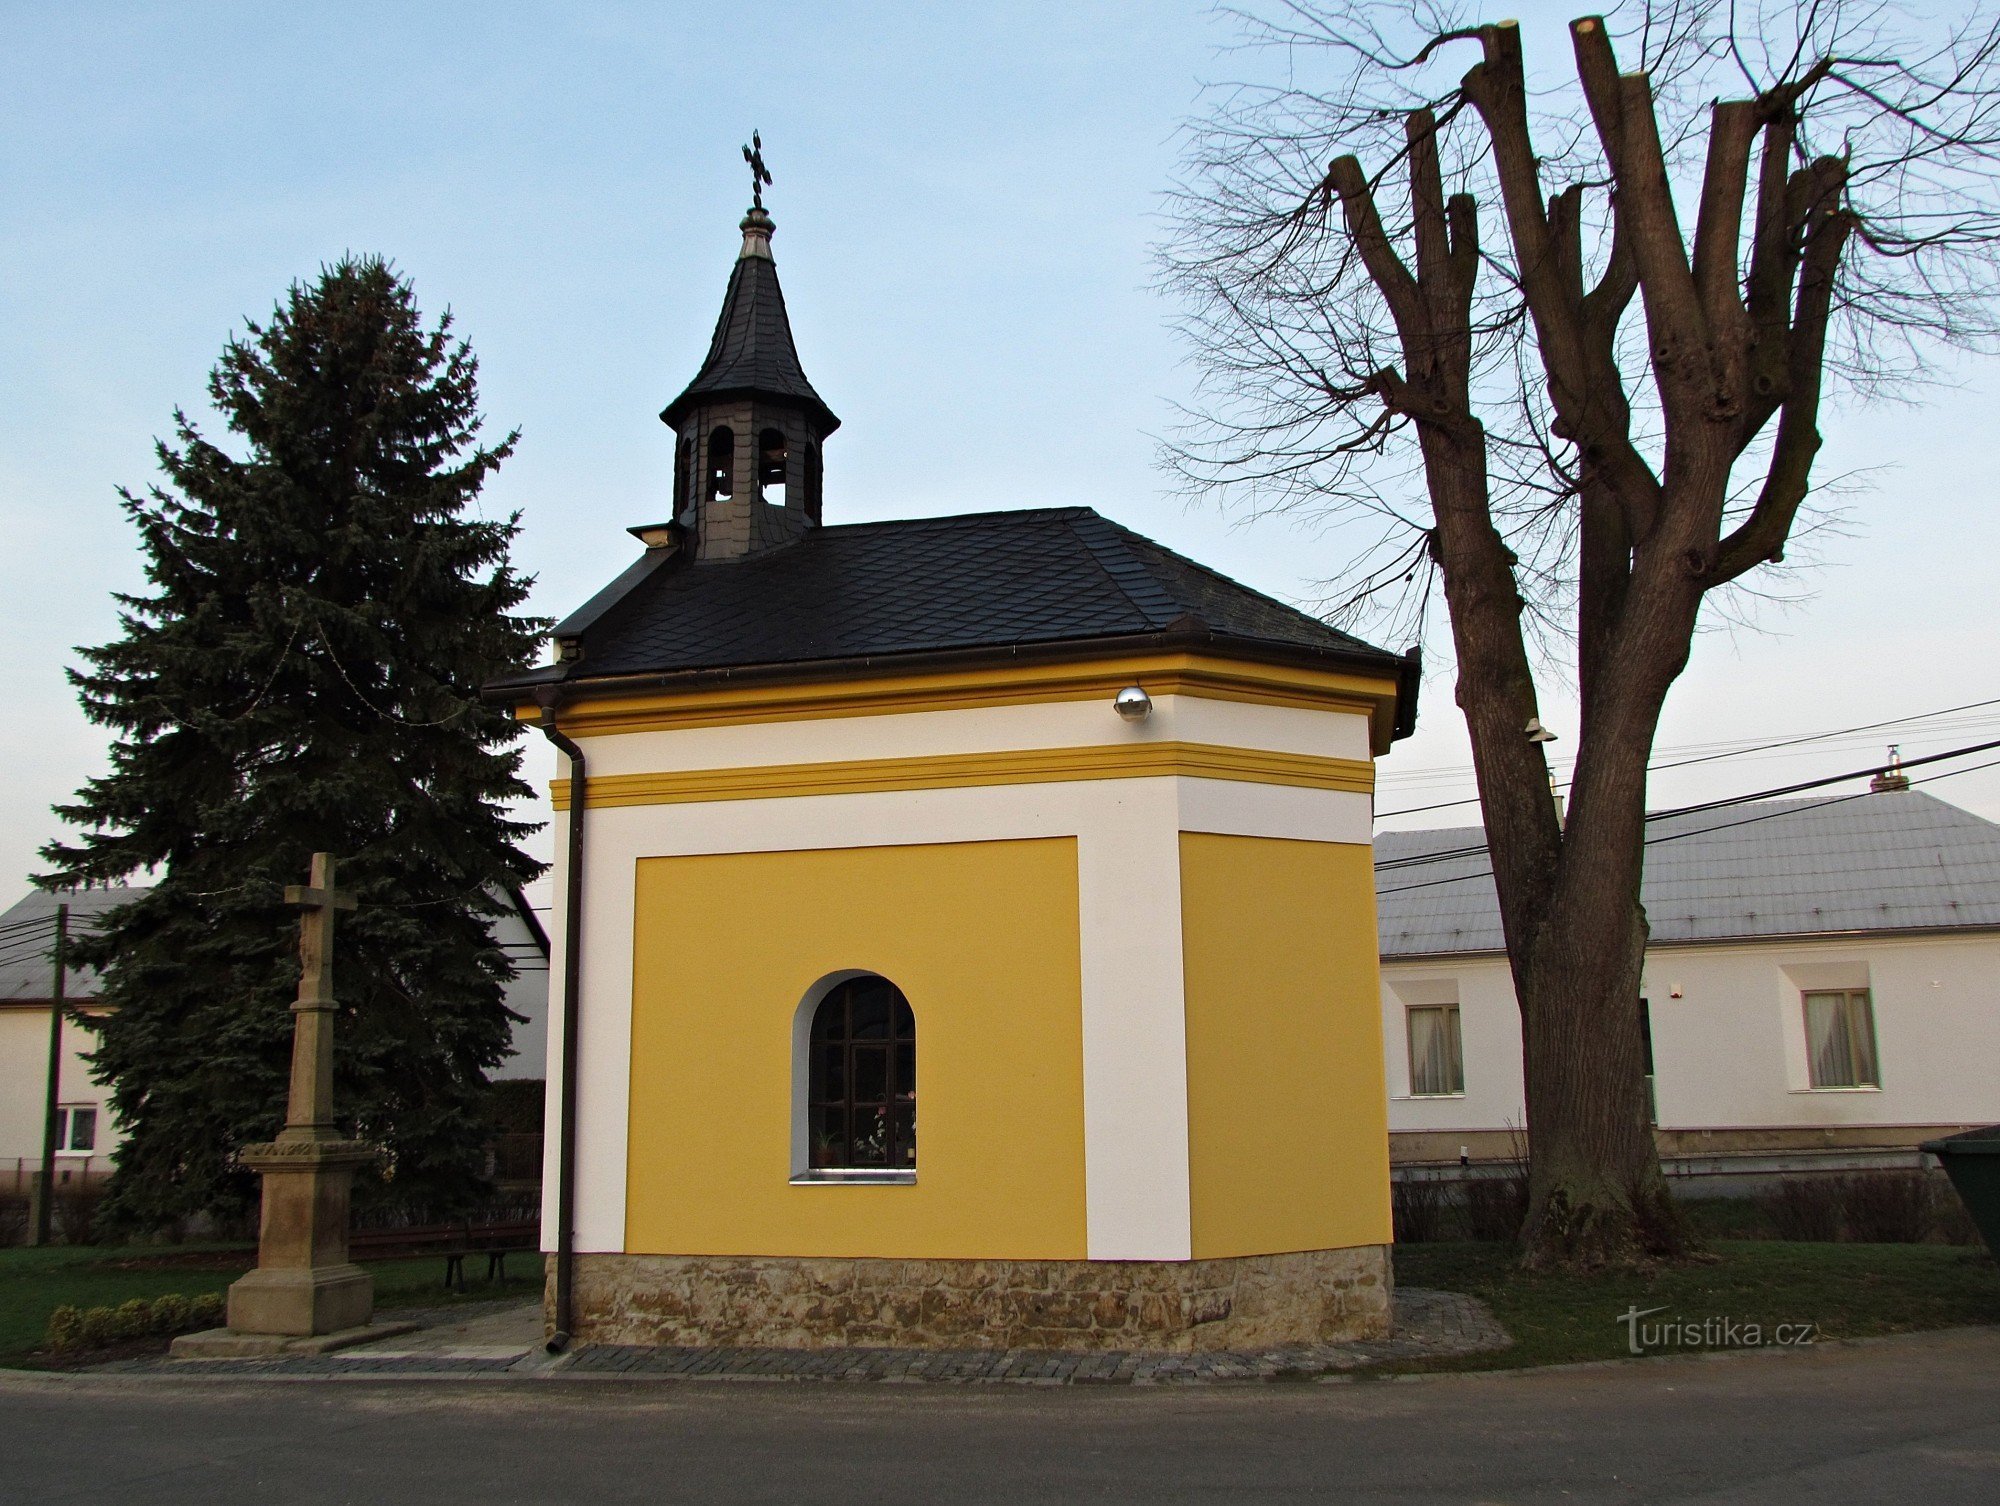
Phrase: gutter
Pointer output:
(572, 1004)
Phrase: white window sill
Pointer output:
(1425, 1097)
(1866, 1087)
(858, 1176)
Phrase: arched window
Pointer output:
(721, 464)
(771, 467)
(861, 1095)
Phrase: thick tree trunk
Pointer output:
(1595, 1192)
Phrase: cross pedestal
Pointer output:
(304, 1283)
(305, 1293)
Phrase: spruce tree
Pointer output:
(304, 676)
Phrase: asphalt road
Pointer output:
(1906, 1420)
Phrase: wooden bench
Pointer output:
(453, 1241)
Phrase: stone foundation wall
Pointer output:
(1249, 1302)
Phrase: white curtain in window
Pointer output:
(1840, 1040)
(1435, 1063)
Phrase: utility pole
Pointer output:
(46, 1188)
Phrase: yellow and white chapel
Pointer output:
(966, 924)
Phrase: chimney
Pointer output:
(1892, 777)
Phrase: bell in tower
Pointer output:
(748, 429)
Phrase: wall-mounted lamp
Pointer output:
(1133, 704)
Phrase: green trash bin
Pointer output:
(1972, 1161)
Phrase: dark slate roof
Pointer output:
(1895, 860)
(995, 580)
(752, 352)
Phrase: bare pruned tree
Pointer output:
(1599, 312)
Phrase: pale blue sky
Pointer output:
(965, 198)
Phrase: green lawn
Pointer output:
(1843, 1290)
(34, 1283)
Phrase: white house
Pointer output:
(87, 1134)
(1822, 986)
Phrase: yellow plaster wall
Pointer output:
(1288, 1115)
(981, 937)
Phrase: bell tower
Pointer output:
(749, 427)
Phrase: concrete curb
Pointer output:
(558, 1370)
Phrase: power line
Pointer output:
(1416, 860)
(1675, 836)
(1789, 742)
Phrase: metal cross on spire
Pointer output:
(759, 174)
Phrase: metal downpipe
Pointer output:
(572, 1008)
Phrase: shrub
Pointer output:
(75, 1214)
(1497, 1206)
(132, 1319)
(170, 1313)
(163, 1317)
(13, 1221)
(1950, 1222)
(65, 1328)
(1886, 1207)
(1419, 1206)
(1868, 1207)
(98, 1328)
(1804, 1209)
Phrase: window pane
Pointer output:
(1436, 1066)
(829, 1084)
(829, 1136)
(830, 1019)
(871, 1074)
(903, 1124)
(870, 1010)
(62, 1128)
(1860, 1014)
(906, 1022)
(871, 1137)
(1829, 1046)
(906, 1070)
(83, 1129)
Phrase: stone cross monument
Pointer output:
(305, 1293)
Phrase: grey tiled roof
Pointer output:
(977, 581)
(1891, 861)
(752, 350)
(25, 966)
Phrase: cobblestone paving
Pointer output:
(1428, 1325)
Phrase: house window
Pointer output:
(76, 1130)
(1840, 1039)
(861, 1097)
(1437, 1067)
